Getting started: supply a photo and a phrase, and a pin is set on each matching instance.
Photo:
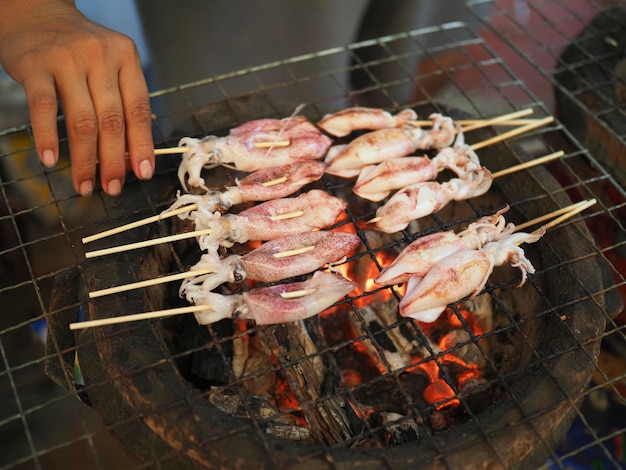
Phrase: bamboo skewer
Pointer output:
(274, 182)
(171, 238)
(294, 294)
(506, 171)
(529, 164)
(267, 145)
(139, 223)
(166, 312)
(287, 215)
(148, 282)
(499, 119)
(512, 133)
(297, 251)
(509, 119)
(562, 215)
(138, 316)
(170, 150)
(146, 243)
(569, 214)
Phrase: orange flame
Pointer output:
(440, 393)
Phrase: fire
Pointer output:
(440, 393)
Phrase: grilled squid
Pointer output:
(385, 144)
(254, 145)
(348, 120)
(313, 210)
(464, 273)
(312, 250)
(376, 182)
(267, 306)
(261, 185)
(425, 198)
(421, 255)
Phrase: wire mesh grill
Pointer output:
(134, 372)
(569, 53)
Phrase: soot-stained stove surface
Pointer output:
(138, 379)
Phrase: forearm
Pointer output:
(15, 13)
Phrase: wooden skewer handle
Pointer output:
(148, 282)
(138, 316)
(139, 223)
(146, 243)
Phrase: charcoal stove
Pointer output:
(532, 396)
(539, 355)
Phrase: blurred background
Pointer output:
(44, 426)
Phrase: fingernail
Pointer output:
(48, 158)
(145, 170)
(115, 187)
(85, 188)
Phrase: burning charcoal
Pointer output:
(306, 372)
(291, 432)
(262, 408)
(469, 353)
(402, 429)
(252, 366)
(482, 309)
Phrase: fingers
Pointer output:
(138, 117)
(110, 129)
(42, 102)
(82, 129)
(104, 116)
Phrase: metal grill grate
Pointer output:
(135, 373)
(570, 54)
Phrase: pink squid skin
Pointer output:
(238, 149)
(266, 306)
(411, 203)
(425, 198)
(371, 148)
(252, 189)
(261, 264)
(298, 174)
(419, 257)
(464, 273)
(320, 210)
(345, 121)
(386, 144)
(375, 182)
(330, 247)
(306, 141)
(450, 280)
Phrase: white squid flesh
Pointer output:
(263, 222)
(464, 273)
(385, 144)
(254, 188)
(249, 147)
(262, 265)
(419, 257)
(266, 306)
(348, 120)
(376, 182)
(425, 198)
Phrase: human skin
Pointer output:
(60, 56)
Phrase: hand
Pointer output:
(57, 54)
